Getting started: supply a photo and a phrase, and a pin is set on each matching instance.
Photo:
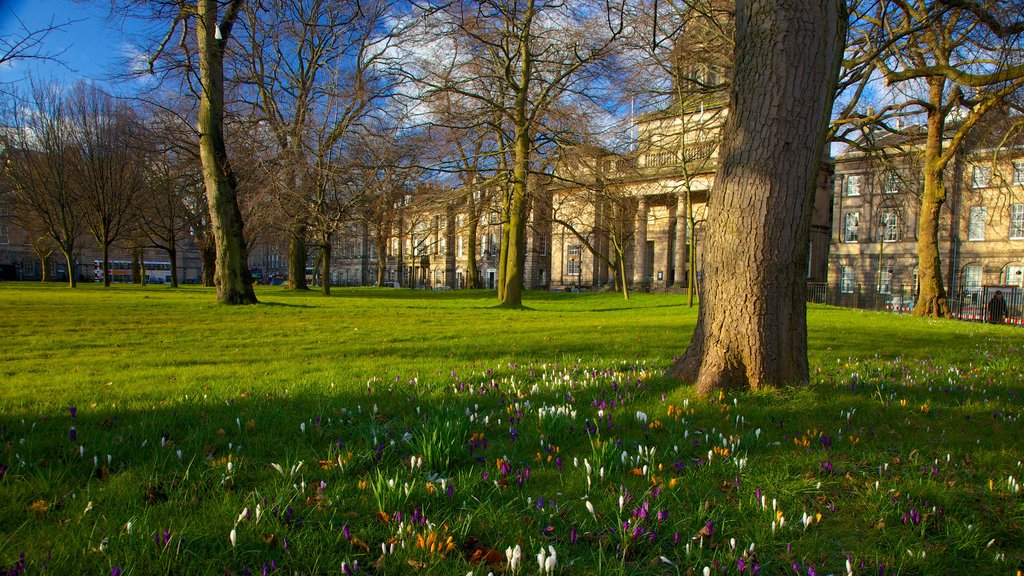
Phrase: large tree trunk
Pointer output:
(512, 278)
(752, 327)
(297, 256)
(233, 280)
(931, 299)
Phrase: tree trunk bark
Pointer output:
(233, 280)
(172, 255)
(105, 255)
(325, 266)
(932, 299)
(43, 255)
(752, 328)
(69, 258)
(512, 278)
(297, 256)
(208, 260)
(620, 273)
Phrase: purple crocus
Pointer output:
(74, 411)
(115, 571)
(741, 564)
(72, 434)
(347, 532)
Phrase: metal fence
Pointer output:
(970, 306)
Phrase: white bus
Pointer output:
(121, 272)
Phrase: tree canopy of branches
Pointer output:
(314, 71)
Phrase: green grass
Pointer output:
(318, 411)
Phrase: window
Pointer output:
(889, 226)
(572, 262)
(1018, 172)
(1017, 222)
(5, 235)
(846, 280)
(854, 184)
(458, 246)
(850, 227)
(1014, 275)
(976, 223)
(885, 278)
(981, 176)
(972, 278)
(892, 182)
(542, 245)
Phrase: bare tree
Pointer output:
(39, 145)
(751, 327)
(314, 69)
(173, 182)
(107, 166)
(514, 59)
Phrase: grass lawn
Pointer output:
(149, 431)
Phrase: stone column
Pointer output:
(640, 244)
(679, 258)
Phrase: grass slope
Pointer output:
(392, 431)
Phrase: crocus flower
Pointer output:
(74, 411)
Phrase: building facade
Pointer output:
(875, 226)
(643, 212)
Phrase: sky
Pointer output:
(93, 44)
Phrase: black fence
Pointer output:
(971, 305)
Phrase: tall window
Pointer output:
(1018, 172)
(458, 246)
(976, 223)
(850, 225)
(885, 278)
(5, 235)
(972, 278)
(846, 280)
(572, 261)
(892, 182)
(981, 176)
(889, 225)
(854, 184)
(1017, 222)
(542, 245)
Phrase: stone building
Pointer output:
(873, 258)
(644, 211)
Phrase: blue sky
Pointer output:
(94, 45)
